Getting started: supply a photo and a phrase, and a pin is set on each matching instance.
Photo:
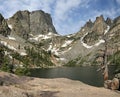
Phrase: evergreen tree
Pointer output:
(1, 55)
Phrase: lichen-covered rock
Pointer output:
(113, 84)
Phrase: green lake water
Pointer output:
(87, 74)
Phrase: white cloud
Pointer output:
(111, 13)
(63, 15)
(9, 7)
(63, 7)
(118, 1)
(60, 10)
(66, 14)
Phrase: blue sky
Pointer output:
(68, 15)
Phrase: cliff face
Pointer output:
(37, 22)
(99, 25)
(41, 22)
(4, 29)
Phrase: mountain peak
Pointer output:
(108, 21)
(99, 25)
(89, 23)
(38, 11)
(35, 22)
(99, 19)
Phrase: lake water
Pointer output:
(87, 74)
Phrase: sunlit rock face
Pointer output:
(37, 22)
(99, 25)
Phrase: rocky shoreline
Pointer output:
(20, 86)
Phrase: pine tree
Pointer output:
(1, 55)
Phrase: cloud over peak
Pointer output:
(68, 15)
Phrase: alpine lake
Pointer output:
(86, 74)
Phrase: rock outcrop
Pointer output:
(99, 25)
(88, 26)
(4, 29)
(95, 30)
(37, 22)
(41, 22)
(109, 21)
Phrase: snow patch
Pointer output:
(36, 38)
(112, 35)
(46, 37)
(83, 29)
(11, 38)
(50, 48)
(9, 46)
(12, 48)
(50, 33)
(57, 51)
(53, 49)
(6, 53)
(106, 31)
(31, 34)
(23, 54)
(67, 43)
(100, 41)
(70, 35)
(10, 57)
(66, 50)
(42, 36)
(84, 44)
(88, 46)
(60, 59)
(39, 37)
(10, 26)
(70, 48)
(4, 43)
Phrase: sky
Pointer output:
(68, 15)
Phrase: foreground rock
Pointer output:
(14, 86)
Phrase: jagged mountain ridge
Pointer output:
(36, 28)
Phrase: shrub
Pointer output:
(22, 71)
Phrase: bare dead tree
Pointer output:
(105, 64)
